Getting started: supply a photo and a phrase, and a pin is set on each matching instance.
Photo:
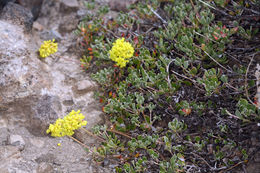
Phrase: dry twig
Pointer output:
(246, 85)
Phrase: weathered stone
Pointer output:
(34, 112)
(7, 152)
(17, 140)
(68, 101)
(34, 92)
(33, 5)
(18, 15)
(121, 5)
(4, 2)
(8, 155)
(50, 35)
(44, 167)
(68, 6)
(86, 86)
(4, 134)
(45, 158)
(39, 143)
(37, 26)
(45, 111)
(4, 170)
(70, 24)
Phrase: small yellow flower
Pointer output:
(47, 48)
(66, 126)
(59, 144)
(121, 52)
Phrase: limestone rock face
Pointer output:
(22, 80)
(33, 5)
(18, 15)
(35, 91)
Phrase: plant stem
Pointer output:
(80, 143)
(91, 134)
(120, 133)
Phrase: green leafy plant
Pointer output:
(210, 81)
(245, 109)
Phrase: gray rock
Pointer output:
(4, 2)
(49, 158)
(4, 170)
(39, 143)
(68, 101)
(81, 13)
(37, 26)
(33, 5)
(44, 112)
(68, 6)
(34, 112)
(22, 81)
(8, 151)
(44, 167)
(9, 155)
(257, 157)
(17, 140)
(50, 35)
(4, 134)
(18, 15)
(120, 5)
(35, 92)
(86, 86)
(70, 23)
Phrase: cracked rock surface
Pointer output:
(34, 92)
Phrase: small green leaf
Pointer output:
(224, 78)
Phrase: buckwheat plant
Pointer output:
(47, 48)
(66, 126)
(121, 52)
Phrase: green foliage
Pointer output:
(210, 81)
(143, 142)
(175, 164)
(245, 109)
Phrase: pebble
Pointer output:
(257, 157)
(85, 85)
(69, 6)
(120, 5)
(37, 26)
(17, 140)
(210, 148)
(44, 167)
(50, 35)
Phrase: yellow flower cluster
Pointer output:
(47, 48)
(121, 52)
(67, 125)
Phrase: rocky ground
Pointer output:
(35, 92)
